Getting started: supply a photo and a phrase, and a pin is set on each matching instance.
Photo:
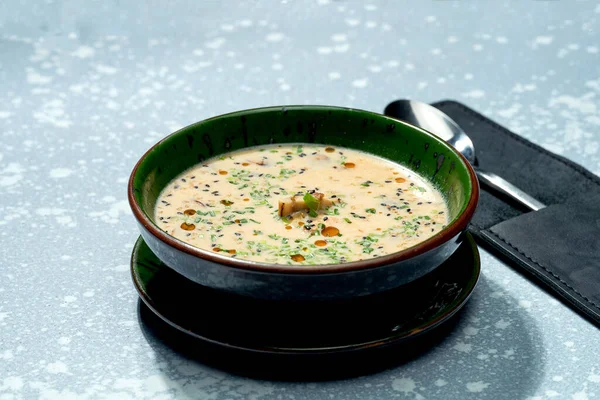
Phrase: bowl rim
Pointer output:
(446, 234)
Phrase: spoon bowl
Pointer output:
(435, 121)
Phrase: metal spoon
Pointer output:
(433, 120)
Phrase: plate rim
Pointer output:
(377, 343)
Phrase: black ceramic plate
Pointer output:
(280, 327)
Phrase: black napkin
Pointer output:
(558, 246)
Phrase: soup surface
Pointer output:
(301, 204)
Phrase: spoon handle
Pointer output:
(498, 183)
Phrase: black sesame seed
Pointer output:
(325, 218)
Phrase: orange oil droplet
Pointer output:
(330, 231)
(349, 165)
(320, 243)
(188, 227)
(400, 180)
(221, 172)
(288, 227)
(189, 211)
(329, 149)
(298, 257)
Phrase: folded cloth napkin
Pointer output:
(558, 246)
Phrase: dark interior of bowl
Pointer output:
(432, 158)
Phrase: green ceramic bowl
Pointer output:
(400, 142)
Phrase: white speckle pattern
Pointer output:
(477, 387)
(85, 91)
(274, 37)
(58, 173)
(360, 83)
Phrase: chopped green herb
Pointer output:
(312, 203)
(370, 210)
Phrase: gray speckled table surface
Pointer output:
(87, 87)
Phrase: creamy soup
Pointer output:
(301, 204)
